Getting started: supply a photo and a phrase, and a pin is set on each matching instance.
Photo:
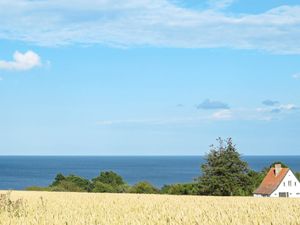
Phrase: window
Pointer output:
(284, 184)
(283, 194)
(289, 183)
(295, 183)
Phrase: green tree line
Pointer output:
(224, 173)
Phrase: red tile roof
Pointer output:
(271, 181)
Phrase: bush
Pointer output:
(180, 189)
(59, 177)
(37, 188)
(297, 174)
(67, 186)
(109, 181)
(102, 187)
(143, 187)
(109, 177)
(71, 183)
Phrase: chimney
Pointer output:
(277, 169)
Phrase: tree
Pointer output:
(180, 189)
(224, 173)
(81, 182)
(71, 183)
(256, 179)
(109, 181)
(143, 187)
(67, 186)
(59, 177)
(103, 187)
(109, 177)
(297, 174)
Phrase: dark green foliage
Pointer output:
(59, 177)
(68, 186)
(256, 179)
(224, 173)
(81, 182)
(103, 187)
(180, 189)
(109, 177)
(109, 181)
(37, 188)
(71, 183)
(143, 187)
(297, 174)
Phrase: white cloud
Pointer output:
(279, 109)
(223, 115)
(289, 107)
(238, 114)
(296, 76)
(21, 61)
(149, 22)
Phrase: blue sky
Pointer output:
(141, 77)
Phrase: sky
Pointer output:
(149, 77)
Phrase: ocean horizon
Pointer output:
(19, 172)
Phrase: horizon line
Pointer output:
(67, 155)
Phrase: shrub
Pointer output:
(103, 187)
(109, 181)
(71, 183)
(180, 189)
(143, 187)
(68, 186)
(37, 188)
(297, 174)
(109, 177)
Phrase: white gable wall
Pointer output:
(289, 184)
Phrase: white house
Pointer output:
(279, 182)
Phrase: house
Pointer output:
(279, 182)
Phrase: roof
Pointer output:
(271, 181)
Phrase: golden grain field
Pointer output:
(47, 208)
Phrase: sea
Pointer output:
(19, 172)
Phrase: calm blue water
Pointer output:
(18, 172)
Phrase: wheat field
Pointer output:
(47, 208)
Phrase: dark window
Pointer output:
(283, 194)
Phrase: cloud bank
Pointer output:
(158, 23)
(21, 61)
